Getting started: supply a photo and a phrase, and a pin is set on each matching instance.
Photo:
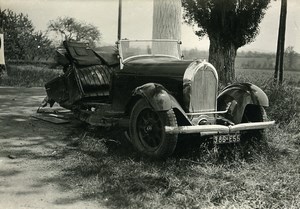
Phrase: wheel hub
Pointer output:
(148, 128)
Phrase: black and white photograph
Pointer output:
(148, 104)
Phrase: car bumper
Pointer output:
(218, 129)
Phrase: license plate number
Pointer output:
(225, 139)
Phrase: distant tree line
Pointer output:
(252, 59)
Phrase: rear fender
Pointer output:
(239, 96)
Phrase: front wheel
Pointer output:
(147, 130)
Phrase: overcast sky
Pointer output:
(137, 20)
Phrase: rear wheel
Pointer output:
(147, 130)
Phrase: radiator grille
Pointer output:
(203, 88)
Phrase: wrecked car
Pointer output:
(147, 87)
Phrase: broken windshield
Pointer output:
(137, 48)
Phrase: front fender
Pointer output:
(160, 100)
(156, 95)
(241, 94)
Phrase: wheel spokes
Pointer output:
(149, 127)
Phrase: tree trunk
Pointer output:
(166, 23)
(223, 59)
(167, 19)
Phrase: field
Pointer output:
(103, 166)
(261, 76)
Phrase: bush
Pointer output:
(28, 75)
(284, 101)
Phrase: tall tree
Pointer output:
(166, 19)
(166, 23)
(229, 25)
(71, 29)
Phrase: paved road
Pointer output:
(30, 170)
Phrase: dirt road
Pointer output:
(30, 168)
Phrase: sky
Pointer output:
(137, 20)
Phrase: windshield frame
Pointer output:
(129, 58)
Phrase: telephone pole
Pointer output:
(120, 20)
(280, 44)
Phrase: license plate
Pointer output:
(225, 139)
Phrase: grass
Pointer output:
(109, 171)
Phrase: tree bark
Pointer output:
(166, 23)
(223, 59)
(166, 19)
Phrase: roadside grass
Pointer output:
(104, 167)
(28, 75)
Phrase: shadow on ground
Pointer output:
(30, 152)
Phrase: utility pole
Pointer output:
(280, 44)
(119, 20)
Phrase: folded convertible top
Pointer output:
(108, 54)
(82, 55)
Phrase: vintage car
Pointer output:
(147, 87)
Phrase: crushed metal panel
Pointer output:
(50, 118)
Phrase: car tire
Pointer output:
(147, 131)
(254, 140)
